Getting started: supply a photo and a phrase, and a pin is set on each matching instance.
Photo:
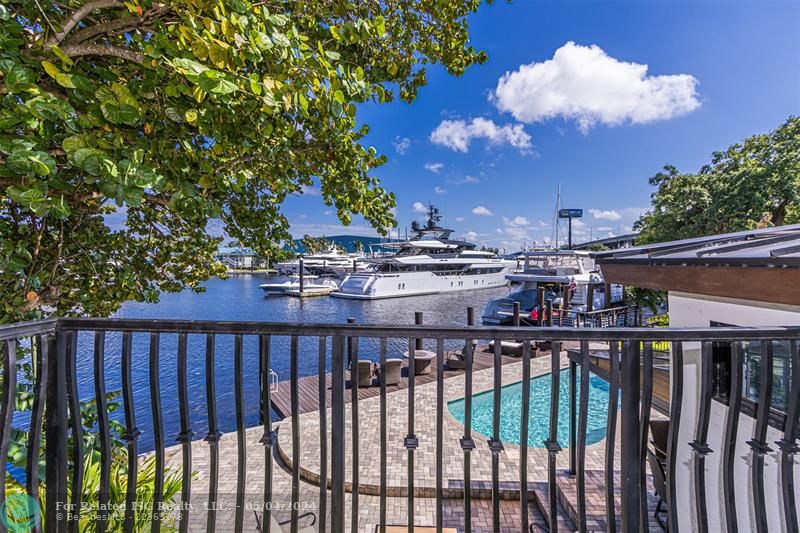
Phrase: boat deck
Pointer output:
(308, 387)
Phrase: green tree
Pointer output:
(752, 184)
(164, 116)
(314, 245)
(358, 246)
(596, 247)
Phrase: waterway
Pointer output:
(239, 298)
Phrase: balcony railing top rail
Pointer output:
(56, 428)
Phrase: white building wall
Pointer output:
(689, 310)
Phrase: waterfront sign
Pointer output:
(570, 213)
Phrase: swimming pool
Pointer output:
(539, 417)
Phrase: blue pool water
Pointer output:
(539, 417)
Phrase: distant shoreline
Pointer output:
(252, 271)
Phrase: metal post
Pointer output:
(56, 433)
(302, 276)
(516, 314)
(349, 360)
(337, 435)
(573, 416)
(569, 245)
(540, 307)
(630, 445)
(418, 322)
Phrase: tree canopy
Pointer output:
(163, 117)
(755, 183)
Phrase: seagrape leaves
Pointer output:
(31, 163)
(118, 105)
(207, 79)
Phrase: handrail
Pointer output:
(428, 331)
(26, 329)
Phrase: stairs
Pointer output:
(542, 499)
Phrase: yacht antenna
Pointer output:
(554, 233)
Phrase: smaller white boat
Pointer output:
(284, 284)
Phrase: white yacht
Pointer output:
(429, 263)
(564, 275)
(285, 284)
(330, 262)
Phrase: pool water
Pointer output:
(539, 414)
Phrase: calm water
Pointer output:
(539, 414)
(239, 298)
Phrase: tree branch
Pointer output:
(121, 25)
(78, 15)
(129, 23)
(78, 50)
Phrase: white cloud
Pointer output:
(458, 134)
(466, 180)
(328, 211)
(310, 191)
(434, 167)
(585, 84)
(439, 190)
(471, 236)
(401, 144)
(605, 215)
(419, 207)
(482, 211)
(516, 221)
(459, 219)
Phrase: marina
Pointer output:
(296, 267)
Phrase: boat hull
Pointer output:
(371, 286)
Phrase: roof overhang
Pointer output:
(759, 284)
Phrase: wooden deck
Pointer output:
(308, 387)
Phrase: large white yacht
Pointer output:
(429, 263)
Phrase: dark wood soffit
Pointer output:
(774, 285)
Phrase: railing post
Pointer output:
(337, 435)
(630, 444)
(573, 416)
(56, 433)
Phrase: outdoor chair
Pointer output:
(394, 369)
(456, 360)
(277, 527)
(659, 429)
(660, 484)
(365, 373)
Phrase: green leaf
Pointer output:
(63, 79)
(72, 143)
(42, 163)
(173, 114)
(65, 59)
(19, 79)
(93, 161)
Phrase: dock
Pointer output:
(311, 293)
(308, 387)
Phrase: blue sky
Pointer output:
(578, 109)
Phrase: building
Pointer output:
(239, 258)
(749, 278)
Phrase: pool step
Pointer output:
(542, 499)
(596, 519)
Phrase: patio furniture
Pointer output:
(660, 484)
(394, 369)
(422, 361)
(659, 429)
(277, 527)
(404, 529)
(456, 360)
(365, 373)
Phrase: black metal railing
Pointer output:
(48, 418)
